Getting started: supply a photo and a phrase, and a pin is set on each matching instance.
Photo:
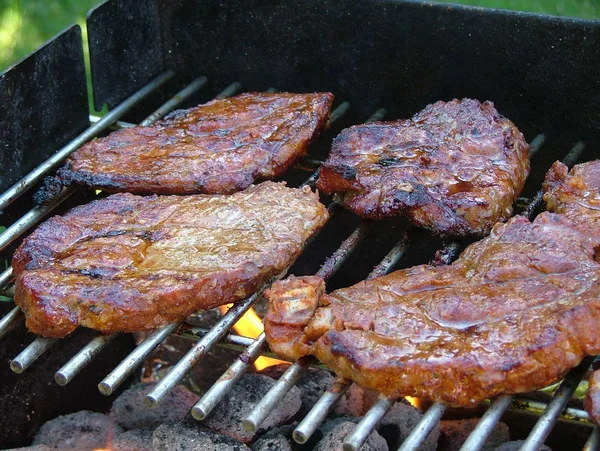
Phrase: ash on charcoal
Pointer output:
(400, 421)
(130, 411)
(277, 439)
(456, 432)
(134, 440)
(241, 399)
(334, 439)
(188, 436)
(80, 430)
(356, 401)
(516, 446)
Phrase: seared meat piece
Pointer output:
(514, 313)
(592, 397)
(129, 263)
(455, 168)
(222, 146)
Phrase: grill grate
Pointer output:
(252, 349)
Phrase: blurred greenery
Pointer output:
(27, 24)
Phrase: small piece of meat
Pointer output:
(129, 263)
(514, 313)
(592, 397)
(220, 147)
(455, 168)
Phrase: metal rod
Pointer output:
(26, 221)
(593, 443)
(82, 358)
(337, 259)
(537, 408)
(320, 410)
(117, 125)
(30, 354)
(392, 257)
(116, 377)
(377, 115)
(230, 90)
(10, 320)
(569, 159)
(338, 113)
(423, 427)
(174, 101)
(6, 277)
(485, 426)
(15, 191)
(371, 419)
(261, 411)
(544, 425)
(536, 144)
(191, 359)
(218, 390)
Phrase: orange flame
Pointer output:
(250, 325)
(415, 402)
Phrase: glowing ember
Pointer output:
(250, 325)
(415, 402)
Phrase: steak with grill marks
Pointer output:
(129, 263)
(514, 313)
(222, 146)
(455, 168)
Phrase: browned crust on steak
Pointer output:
(221, 147)
(129, 263)
(455, 168)
(514, 313)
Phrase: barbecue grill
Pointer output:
(385, 58)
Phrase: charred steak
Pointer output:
(221, 147)
(455, 168)
(129, 263)
(514, 313)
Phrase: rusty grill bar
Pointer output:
(253, 348)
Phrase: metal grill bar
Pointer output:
(191, 359)
(82, 358)
(538, 199)
(338, 113)
(218, 390)
(423, 428)
(485, 426)
(10, 320)
(544, 425)
(283, 385)
(320, 410)
(30, 354)
(26, 221)
(593, 442)
(229, 91)
(116, 377)
(6, 277)
(371, 419)
(172, 103)
(15, 191)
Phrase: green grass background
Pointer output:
(27, 24)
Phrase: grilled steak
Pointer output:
(222, 146)
(514, 313)
(129, 263)
(455, 168)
